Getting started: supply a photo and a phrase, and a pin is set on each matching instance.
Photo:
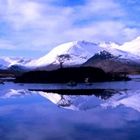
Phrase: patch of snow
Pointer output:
(132, 47)
(130, 99)
(6, 62)
(116, 50)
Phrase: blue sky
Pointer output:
(31, 28)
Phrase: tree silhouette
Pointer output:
(62, 58)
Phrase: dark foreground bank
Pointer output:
(70, 75)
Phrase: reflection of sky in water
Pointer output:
(28, 115)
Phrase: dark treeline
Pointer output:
(6, 73)
(66, 75)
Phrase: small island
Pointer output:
(71, 75)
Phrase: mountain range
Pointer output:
(108, 56)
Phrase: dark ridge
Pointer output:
(110, 63)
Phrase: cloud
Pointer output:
(19, 13)
(101, 8)
(41, 25)
(6, 44)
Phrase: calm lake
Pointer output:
(110, 112)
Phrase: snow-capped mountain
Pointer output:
(18, 61)
(110, 63)
(132, 47)
(79, 52)
(6, 62)
(117, 50)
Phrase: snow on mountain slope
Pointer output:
(3, 63)
(128, 98)
(6, 62)
(79, 51)
(132, 47)
(116, 50)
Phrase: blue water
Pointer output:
(31, 115)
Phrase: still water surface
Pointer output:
(38, 115)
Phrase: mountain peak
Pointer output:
(132, 47)
(79, 52)
(84, 42)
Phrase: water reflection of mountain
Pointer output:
(106, 99)
(69, 99)
(81, 101)
(101, 93)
